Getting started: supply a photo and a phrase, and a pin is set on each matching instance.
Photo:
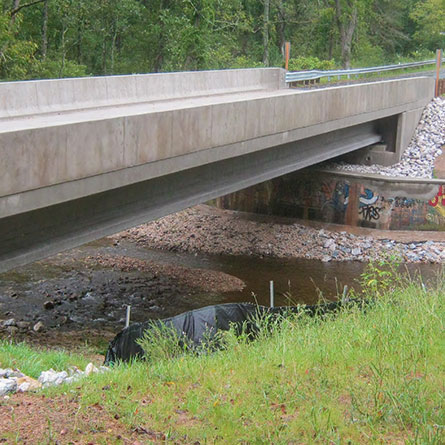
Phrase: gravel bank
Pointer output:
(210, 230)
(418, 159)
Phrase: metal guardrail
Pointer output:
(298, 76)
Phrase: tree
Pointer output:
(429, 16)
(346, 15)
(266, 32)
(74, 37)
(16, 56)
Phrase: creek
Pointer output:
(75, 292)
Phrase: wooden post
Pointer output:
(287, 53)
(438, 64)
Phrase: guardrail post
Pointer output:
(438, 64)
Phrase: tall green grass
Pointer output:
(359, 376)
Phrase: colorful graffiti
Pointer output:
(327, 198)
(438, 204)
(406, 213)
(367, 208)
(404, 203)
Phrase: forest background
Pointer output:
(65, 38)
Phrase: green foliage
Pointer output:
(49, 69)
(367, 54)
(381, 277)
(16, 56)
(429, 16)
(245, 62)
(310, 63)
(161, 342)
(134, 36)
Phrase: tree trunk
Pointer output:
(45, 30)
(331, 46)
(266, 32)
(346, 28)
(63, 44)
(79, 43)
(104, 55)
(79, 31)
(113, 49)
(281, 28)
(15, 7)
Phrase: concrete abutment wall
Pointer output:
(344, 198)
(396, 132)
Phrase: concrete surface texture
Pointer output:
(67, 140)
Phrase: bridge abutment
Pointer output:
(364, 200)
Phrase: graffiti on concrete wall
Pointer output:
(311, 197)
(436, 215)
(404, 203)
(439, 200)
(343, 201)
(336, 195)
(369, 209)
(406, 213)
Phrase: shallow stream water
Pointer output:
(95, 298)
(295, 280)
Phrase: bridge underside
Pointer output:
(36, 234)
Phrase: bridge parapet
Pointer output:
(27, 98)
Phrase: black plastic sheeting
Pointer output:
(197, 326)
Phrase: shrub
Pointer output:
(310, 63)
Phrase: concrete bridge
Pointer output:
(84, 158)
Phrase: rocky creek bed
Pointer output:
(81, 296)
(206, 229)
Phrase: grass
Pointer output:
(373, 376)
(32, 361)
